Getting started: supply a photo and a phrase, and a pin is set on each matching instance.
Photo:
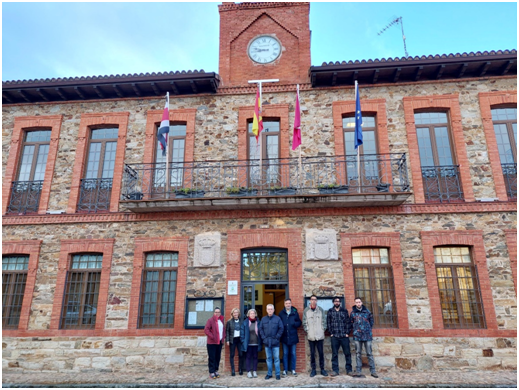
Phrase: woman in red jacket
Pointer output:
(214, 329)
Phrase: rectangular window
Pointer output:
(158, 290)
(81, 291)
(458, 286)
(14, 278)
(176, 150)
(96, 185)
(269, 149)
(440, 174)
(505, 128)
(374, 284)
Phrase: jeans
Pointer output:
(214, 351)
(319, 345)
(337, 343)
(289, 357)
(273, 352)
(369, 353)
(251, 361)
(236, 345)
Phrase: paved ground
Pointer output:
(197, 377)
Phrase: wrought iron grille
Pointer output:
(94, 195)
(442, 184)
(264, 265)
(158, 290)
(279, 176)
(25, 197)
(82, 292)
(14, 278)
(510, 175)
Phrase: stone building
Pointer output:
(109, 263)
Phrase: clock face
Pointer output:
(264, 49)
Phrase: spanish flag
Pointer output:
(257, 122)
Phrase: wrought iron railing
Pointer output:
(286, 176)
(25, 197)
(94, 195)
(442, 184)
(510, 176)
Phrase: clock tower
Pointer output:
(264, 41)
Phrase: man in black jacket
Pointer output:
(271, 329)
(291, 321)
(339, 325)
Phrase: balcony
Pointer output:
(442, 184)
(510, 176)
(94, 195)
(311, 182)
(25, 197)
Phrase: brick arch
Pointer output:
(449, 103)
(487, 101)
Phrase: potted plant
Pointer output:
(277, 190)
(189, 193)
(135, 195)
(333, 188)
(383, 187)
(241, 191)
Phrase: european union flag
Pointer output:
(358, 118)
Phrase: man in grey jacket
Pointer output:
(314, 324)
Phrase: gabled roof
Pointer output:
(446, 66)
(109, 87)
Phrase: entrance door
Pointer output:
(264, 281)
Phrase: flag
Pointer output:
(257, 122)
(164, 127)
(358, 118)
(296, 140)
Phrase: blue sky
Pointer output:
(45, 40)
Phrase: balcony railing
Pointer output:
(273, 177)
(25, 197)
(442, 184)
(94, 195)
(510, 176)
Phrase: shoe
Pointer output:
(284, 373)
(212, 376)
(278, 377)
(374, 375)
(233, 373)
(254, 375)
(216, 374)
(334, 373)
(324, 373)
(241, 372)
(312, 374)
(350, 373)
(249, 375)
(294, 373)
(267, 377)
(357, 374)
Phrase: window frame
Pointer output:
(432, 136)
(37, 146)
(10, 293)
(373, 289)
(364, 129)
(264, 134)
(509, 129)
(158, 304)
(103, 142)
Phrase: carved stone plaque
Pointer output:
(207, 250)
(321, 244)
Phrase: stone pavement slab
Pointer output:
(198, 377)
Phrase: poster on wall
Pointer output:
(232, 287)
(199, 310)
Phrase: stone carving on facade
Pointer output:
(207, 250)
(321, 244)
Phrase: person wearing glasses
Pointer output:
(232, 333)
(339, 327)
(214, 329)
(314, 324)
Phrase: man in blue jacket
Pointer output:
(291, 321)
(362, 321)
(271, 329)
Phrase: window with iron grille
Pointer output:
(96, 185)
(26, 191)
(505, 128)
(375, 286)
(269, 149)
(82, 291)
(158, 290)
(458, 285)
(14, 277)
(176, 149)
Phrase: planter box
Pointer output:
(191, 194)
(383, 187)
(283, 191)
(243, 193)
(135, 196)
(334, 190)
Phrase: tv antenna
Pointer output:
(397, 21)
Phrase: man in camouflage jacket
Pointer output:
(362, 321)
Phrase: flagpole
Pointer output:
(300, 164)
(358, 148)
(168, 176)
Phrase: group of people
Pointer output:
(249, 335)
